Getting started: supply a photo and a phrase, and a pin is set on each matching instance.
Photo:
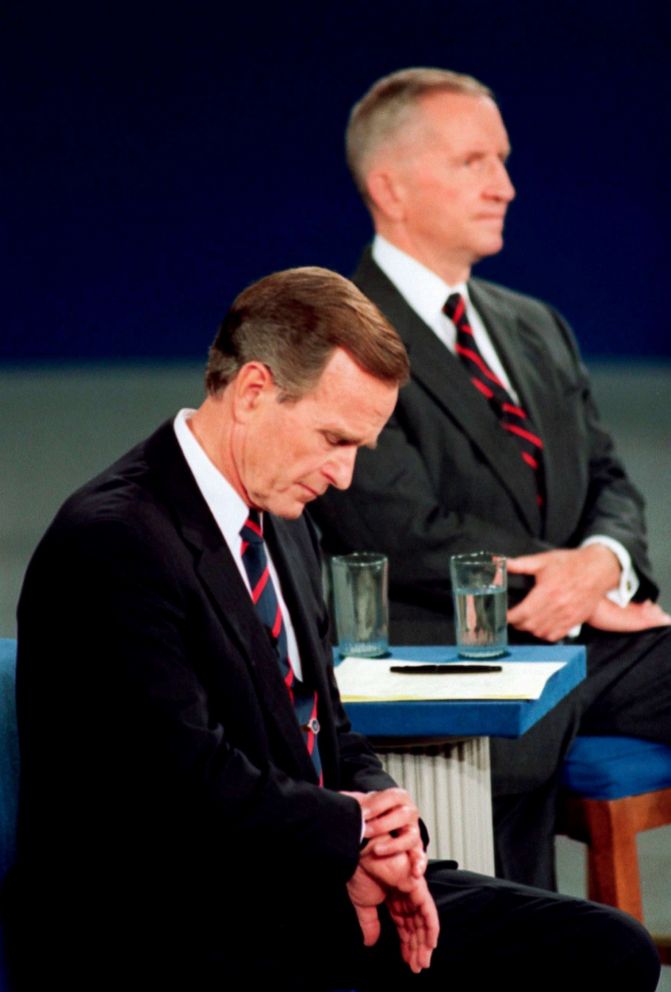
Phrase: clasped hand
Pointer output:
(391, 871)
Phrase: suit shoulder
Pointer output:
(370, 278)
(118, 510)
(521, 302)
(537, 316)
(109, 494)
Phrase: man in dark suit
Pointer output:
(494, 444)
(195, 809)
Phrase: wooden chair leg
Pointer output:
(609, 828)
(613, 872)
(663, 944)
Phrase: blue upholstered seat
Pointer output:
(613, 767)
(9, 755)
(9, 772)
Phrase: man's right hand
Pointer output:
(391, 870)
(410, 904)
(366, 895)
(568, 586)
(416, 919)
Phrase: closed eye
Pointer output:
(340, 441)
(337, 440)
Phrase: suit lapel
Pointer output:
(520, 347)
(219, 575)
(517, 346)
(437, 370)
(231, 599)
(537, 381)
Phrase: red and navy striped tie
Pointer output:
(512, 417)
(304, 700)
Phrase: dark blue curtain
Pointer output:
(160, 158)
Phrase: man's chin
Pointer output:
(287, 509)
(293, 513)
(290, 502)
(492, 246)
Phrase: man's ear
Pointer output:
(385, 193)
(252, 387)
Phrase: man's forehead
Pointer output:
(342, 369)
(446, 102)
(459, 116)
(441, 118)
(350, 400)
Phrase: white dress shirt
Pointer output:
(427, 293)
(230, 513)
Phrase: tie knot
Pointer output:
(251, 531)
(455, 307)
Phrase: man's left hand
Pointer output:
(630, 618)
(569, 585)
(391, 825)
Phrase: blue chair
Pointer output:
(614, 788)
(9, 773)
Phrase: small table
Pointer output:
(439, 751)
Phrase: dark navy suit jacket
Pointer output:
(169, 810)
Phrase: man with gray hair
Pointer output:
(495, 443)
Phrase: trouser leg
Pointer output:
(499, 935)
(525, 782)
(628, 687)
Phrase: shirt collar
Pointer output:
(425, 291)
(227, 507)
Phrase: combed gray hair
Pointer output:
(388, 106)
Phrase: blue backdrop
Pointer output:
(160, 158)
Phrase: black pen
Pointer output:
(448, 669)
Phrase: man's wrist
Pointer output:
(625, 589)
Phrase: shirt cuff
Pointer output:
(626, 589)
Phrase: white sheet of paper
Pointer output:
(370, 680)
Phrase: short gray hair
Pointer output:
(387, 108)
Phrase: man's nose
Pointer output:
(500, 184)
(340, 467)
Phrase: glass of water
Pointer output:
(360, 600)
(479, 589)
